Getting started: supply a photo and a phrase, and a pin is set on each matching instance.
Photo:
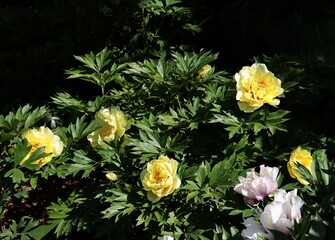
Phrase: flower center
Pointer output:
(159, 177)
(107, 130)
(258, 89)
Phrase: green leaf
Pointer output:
(169, 3)
(235, 212)
(22, 118)
(81, 128)
(82, 163)
(275, 119)
(168, 120)
(321, 166)
(191, 195)
(21, 151)
(35, 116)
(33, 182)
(234, 125)
(258, 127)
(290, 186)
(223, 174)
(143, 127)
(36, 155)
(317, 230)
(113, 210)
(41, 231)
(202, 173)
(9, 172)
(247, 213)
(191, 185)
(102, 58)
(18, 175)
(66, 101)
(88, 61)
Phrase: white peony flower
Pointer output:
(283, 212)
(255, 231)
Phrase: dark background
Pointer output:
(39, 38)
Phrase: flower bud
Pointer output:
(111, 176)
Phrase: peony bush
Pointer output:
(173, 150)
(170, 145)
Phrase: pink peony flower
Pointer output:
(283, 212)
(255, 187)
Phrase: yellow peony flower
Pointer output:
(43, 137)
(113, 126)
(255, 86)
(204, 70)
(304, 158)
(160, 178)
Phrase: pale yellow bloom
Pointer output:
(204, 70)
(113, 125)
(303, 157)
(160, 178)
(255, 86)
(43, 137)
(111, 176)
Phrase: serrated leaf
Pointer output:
(113, 210)
(202, 173)
(18, 175)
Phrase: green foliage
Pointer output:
(26, 229)
(22, 119)
(97, 69)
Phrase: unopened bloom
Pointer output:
(283, 212)
(111, 176)
(113, 125)
(255, 231)
(255, 86)
(43, 137)
(255, 187)
(204, 70)
(160, 178)
(302, 157)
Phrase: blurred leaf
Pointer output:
(41, 231)
(321, 166)
(317, 229)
